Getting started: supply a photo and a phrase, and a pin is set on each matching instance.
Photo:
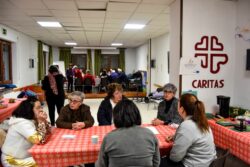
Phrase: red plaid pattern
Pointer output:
(7, 112)
(65, 152)
(237, 142)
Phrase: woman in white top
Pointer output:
(193, 142)
(28, 126)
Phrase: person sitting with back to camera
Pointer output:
(104, 114)
(193, 140)
(28, 126)
(167, 109)
(75, 115)
(129, 144)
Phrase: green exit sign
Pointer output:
(4, 31)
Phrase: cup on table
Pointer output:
(94, 139)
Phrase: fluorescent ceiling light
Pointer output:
(134, 26)
(70, 43)
(116, 44)
(49, 24)
(87, 47)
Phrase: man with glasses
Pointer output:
(75, 115)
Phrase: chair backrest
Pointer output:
(220, 160)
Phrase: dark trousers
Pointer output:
(70, 84)
(166, 162)
(57, 102)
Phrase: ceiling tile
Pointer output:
(38, 12)
(90, 5)
(89, 25)
(29, 4)
(65, 13)
(118, 26)
(6, 5)
(121, 7)
(118, 15)
(165, 2)
(150, 8)
(126, 1)
(92, 14)
(60, 4)
(71, 24)
(93, 21)
(115, 21)
(69, 19)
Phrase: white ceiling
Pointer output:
(87, 22)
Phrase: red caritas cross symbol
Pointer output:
(214, 50)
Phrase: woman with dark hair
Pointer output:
(52, 84)
(129, 144)
(193, 141)
(28, 126)
(104, 114)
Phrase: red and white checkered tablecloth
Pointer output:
(7, 112)
(237, 142)
(58, 151)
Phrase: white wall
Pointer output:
(210, 18)
(159, 51)
(242, 77)
(141, 57)
(174, 44)
(23, 48)
(130, 63)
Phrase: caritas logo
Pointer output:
(210, 51)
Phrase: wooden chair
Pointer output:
(221, 159)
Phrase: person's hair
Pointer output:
(170, 88)
(126, 114)
(112, 88)
(81, 95)
(196, 109)
(25, 109)
(53, 68)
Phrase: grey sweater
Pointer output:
(129, 147)
(193, 148)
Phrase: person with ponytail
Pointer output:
(193, 142)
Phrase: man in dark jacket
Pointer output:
(75, 115)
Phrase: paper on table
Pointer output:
(68, 136)
(153, 129)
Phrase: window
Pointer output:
(5, 62)
(80, 60)
(109, 61)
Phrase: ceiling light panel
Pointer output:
(134, 26)
(49, 24)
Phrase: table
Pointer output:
(58, 152)
(237, 142)
(7, 112)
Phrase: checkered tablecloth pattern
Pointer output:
(7, 112)
(58, 152)
(237, 142)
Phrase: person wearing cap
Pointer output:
(167, 109)
(53, 84)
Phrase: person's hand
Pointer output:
(157, 121)
(169, 138)
(41, 116)
(78, 125)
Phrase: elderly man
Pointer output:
(168, 108)
(75, 115)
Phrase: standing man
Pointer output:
(70, 75)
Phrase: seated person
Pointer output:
(167, 109)
(28, 126)
(193, 141)
(75, 115)
(129, 144)
(104, 114)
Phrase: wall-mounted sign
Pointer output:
(211, 54)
